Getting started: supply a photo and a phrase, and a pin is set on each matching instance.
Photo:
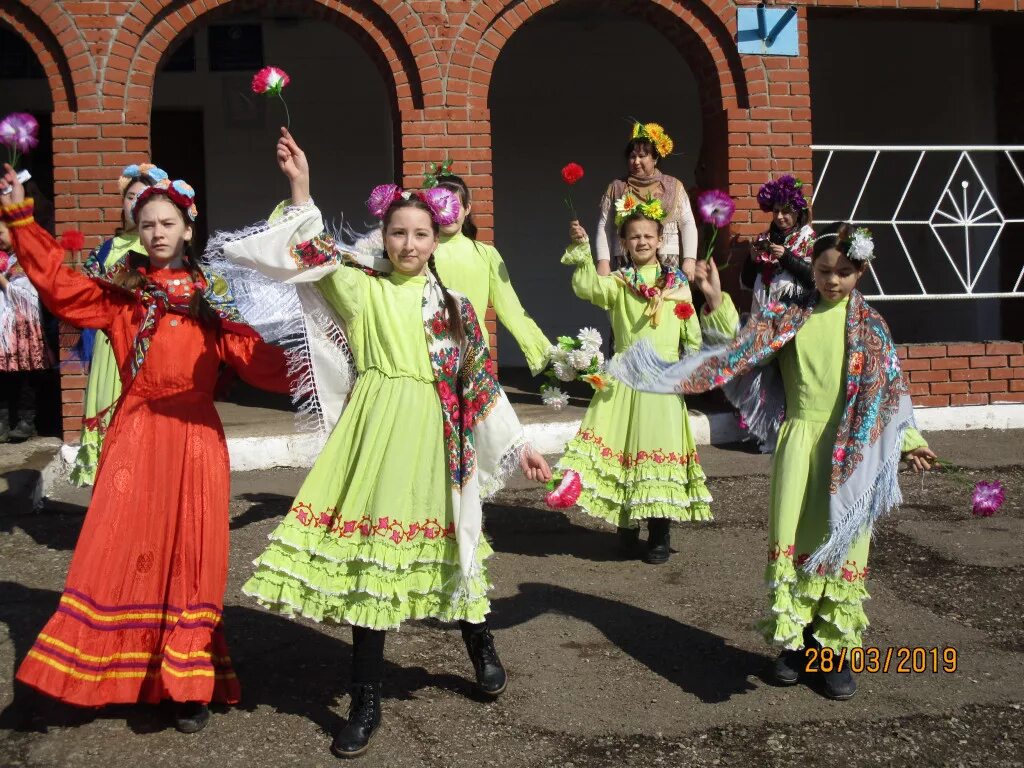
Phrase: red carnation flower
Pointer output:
(684, 310)
(572, 173)
(72, 240)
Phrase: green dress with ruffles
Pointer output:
(634, 451)
(813, 367)
(370, 538)
(104, 385)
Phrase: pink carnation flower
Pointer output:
(716, 208)
(988, 498)
(270, 80)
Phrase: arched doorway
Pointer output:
(565, 88)
(209, 127)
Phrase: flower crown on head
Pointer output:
(784, 191)
(655, 134)
(443, 203)
(860, 245)
(179, 191)
(147, 173)
(436, 172)
(631, 205)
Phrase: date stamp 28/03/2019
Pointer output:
(899, 659)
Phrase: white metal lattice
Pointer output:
(965, 202)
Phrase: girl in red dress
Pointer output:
(140, 618)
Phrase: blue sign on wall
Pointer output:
(767, 31)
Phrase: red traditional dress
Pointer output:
(140, 618)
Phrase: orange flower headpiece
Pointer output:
(655, 134)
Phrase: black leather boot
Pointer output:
(191, 716)
(839, 685)
(659, 541)
(5, 426)
(363, 719)
(26, 427)
(629, 542)
(787, 668)
(491, 678)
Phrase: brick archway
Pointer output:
(60, 50)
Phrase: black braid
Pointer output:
(451, 306)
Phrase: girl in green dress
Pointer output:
(634, 452)
(842, 421)
(387, 525)
(477, 270)
(104, 384)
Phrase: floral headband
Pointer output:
(655, 134)
(147, 173)
(443, 203)
(437, 172)
(631, 205)
(784, 192)
(179, 191)
(860, 246)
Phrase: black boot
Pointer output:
(659, 542)
(191, 716)
(629, 542)
(5, 426)
(363, 719)
(26, 427)
(839, 684)
(787, 668)
(491, 678)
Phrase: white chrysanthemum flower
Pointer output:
(557, 354)
(580, 359)
(564, 371)
(590, 338)
(862, 247)
(553, 397)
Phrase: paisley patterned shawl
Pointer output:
(877, 410)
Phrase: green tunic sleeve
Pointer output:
(600, 290)
(345, 290)
(510, 313)
(724, 321)
(912, 440)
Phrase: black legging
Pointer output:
(368, 651)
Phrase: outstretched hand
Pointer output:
(577, 233)
(920, 459)
(14, 191)
(707, 280)
(534, 466)
(293, 164)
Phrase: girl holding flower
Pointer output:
(648, 145)
(842, 418)
(386, 528)
(635, 452)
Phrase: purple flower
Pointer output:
(783, 192)
(19, 131)
(443, 203)
(716, 208)
(382, 197)
(988, 498)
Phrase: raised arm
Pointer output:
(606, 237)
(587, 284)
(510, 312)
(68, 294)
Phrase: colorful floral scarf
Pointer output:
(671, 284)
(867, 448)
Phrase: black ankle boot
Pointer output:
(629, 542)
(659, 541)
(25, 428)
(491, 678)
(787, 668)
(839, 685)
(363, 719)
(191, 716)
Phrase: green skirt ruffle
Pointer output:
(637, 459)
(832, 604)
(102, 389)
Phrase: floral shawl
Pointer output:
(866, 451)
(482, 435)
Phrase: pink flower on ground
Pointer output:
(988, 498)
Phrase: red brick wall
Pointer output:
(964, 374)
(437, 57)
